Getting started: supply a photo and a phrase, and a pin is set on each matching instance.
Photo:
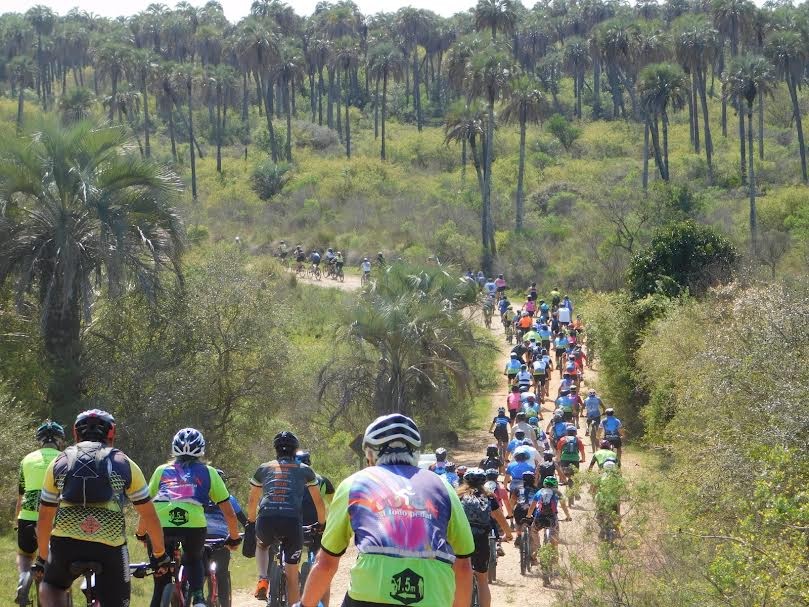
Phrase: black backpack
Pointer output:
(87, 480)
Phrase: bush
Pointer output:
(269, 179)
(314, 136)
(566, 133)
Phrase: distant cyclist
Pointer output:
(418, 552)
(380, 259)
(50, 437)
(81, 515)
(492, 461)
(501, 428)
(612, 429)
(275, 509)
(604, 454)
(180, 491)
(366, 268)
(314, 258)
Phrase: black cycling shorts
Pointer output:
(546, 522)
(27, 537)
(112, 582)
(286, 530)
(567, 416)
(615, 441)
(480, 557)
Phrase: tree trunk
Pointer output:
(655, 135)
(645, 155)
(384, 108)
(144, 93)
(312, 97)
(268, 113)
(416, 89)
(114, 96)
(489, 250)
(476, 163)
(796, 111)
(691, 126)
(330, 100)
(376, 110)
(62, 343)
(761, 127)
(320, 96)
(289, 121)
(706, 124)
(191, 141)
(20, 104)
(259, 92)
(171, 134)
(520, 203)
(693, 101)
(463, 161)
(665, 121)
(245, 99)
(348, 120)
(752, 183)
(742, 159)
(338, 99)
(596, 86)
(218, 127)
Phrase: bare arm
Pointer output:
(151, 525)
(17, 508)
(230, 518)
(319, 580)
(252, 503)
(319, 505)
(44, 528)
(501, 520)
(463, 582)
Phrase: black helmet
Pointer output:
(441, 454)
(492, 474)
(303, 457)
(475, 477)
(492, 451)
(610, 411)
(605, 444)
(547, 455)
(528, 476)
(94, 425)
(450, 467)
(285, 443)
(571, 430)
(519, 432)
(50, 432)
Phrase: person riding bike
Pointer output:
(570, 451)
(488, 310)
(314, 258)
(513, 478)
(544, 510)
(81, 515)
(603, 455)
(565, 403)
(50, 437)
(180, 490)
(283, 250)
(549, 467)
(578, 404)
(217, 529)
(338, 262)
(513, 367)
(612, 429)
(441, 457)
(522, 424)
(501, 429)
(524, 378)
(500, 283)
(275, 511)
(492, 461)
(542, 438)
(500, 493)
(451, 474)
(366, 268)
(380, 259)
(309, 511)
(423, 543)
(523, 501)
(480, 508)
(556, 297)
(557, 427)
(491, 289)
(300, 257)
(594, 406)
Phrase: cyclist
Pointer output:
(530, 306)
(492, 461)
(557, 427)
(440, 463)
(338, 262)
(50, 437)
(567, 304)
(283, 250)
(501, 428)
(556, 297)
(523, 501)
(612, 429)
(488, 310)
(522, 424)
(81, 514)
(603, 455)
(542, 438)
(451, 475)
(508, 315)
(531, 408)
(570, 451)
(480, 508)
(314, 258)
(565, 403)
(545, 511)
(275, 510)
(480, 278)
(513, 367)
(524, 324)
(380, 259)
(524, 378)
(549, 467)
(560, 345)
(300, 257)
(514, 471)
(365, 266)
(593, 406)
(180, 491)
(544, 311)
(419, 551)
(217, 529)
(578, 404)
(330, 256)
(309, 512)
(496, 488)
(500, 283)
(491, 289)
(519, 438)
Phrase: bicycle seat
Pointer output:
(78, 568)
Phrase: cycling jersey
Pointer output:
(180, 490)
(514, 401)
(593, 406)
(570, 449)
(565, 403)
(284, 482)
(524, 379)
(408, 526)
(515, 470)
(501, 421)
(490, 288)
(32, 475)
(513, 444)
(540, 367)
(215, 518)
(491, 462)
(603, 456)
(560, 343)
(547, 503)
(531, 335)
(530, 411)
(611, 425)
(366, 266)
(98, 522)
(546, 469)
(559, 429)
(513, 366)
(500, 283)
(564, 315)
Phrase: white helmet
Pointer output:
(394, 428)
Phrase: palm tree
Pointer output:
(385, 62)
(346, 57)
(495, 15)
(410, 25)
(75, 106)
(490, 73)
(42, 20)
(287, 70)
(525, 104)
(185, 76)
(23, 72)
(746, 77)
(80, 210)
(661, 86)
(789, 54)
(111, 60)
(223, 79)
(466, 124)
(576, 58)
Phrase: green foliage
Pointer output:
(16, 439)
(567, 134)
(268, 179)
(682, 256)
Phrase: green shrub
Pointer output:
(269, 179)
(566, 133)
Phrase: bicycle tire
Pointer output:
(212, 593)
(305, 569)
(475, 595)
(169, 598)
(524, 549)
(24, 598)
(277, 596)
(492, 559)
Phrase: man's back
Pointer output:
(32, 475)
(283, 482)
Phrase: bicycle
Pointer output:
(339, 275)
(25, 596)
(475, 593)
(277, 596)
(492, 556)
(509, 329)
(89, 569)
(366, 276)
(309, 534)
(524, 542)
(314, 272)
(592, 432)
(570, 494)
(299, 269)
(211, 579)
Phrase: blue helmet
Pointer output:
(188, 442)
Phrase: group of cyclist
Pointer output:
(334, 261)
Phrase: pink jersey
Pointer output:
(514, 401)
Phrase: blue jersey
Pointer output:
(503, 305)
(215, 518)
(593, 406)
(501, 421)
(559, 429)
(515, 470)
(565, 403)
(513, 444)
(611, 425)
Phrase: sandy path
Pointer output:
(511, 588)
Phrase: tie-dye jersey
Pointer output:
(181, 490)
(408, 526)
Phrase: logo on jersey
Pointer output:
(408, 587)
(90, 525)
(178, 516)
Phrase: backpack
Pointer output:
(547, 503)
(478, 511)
(546, 469)
(571, 445)
(87, 480)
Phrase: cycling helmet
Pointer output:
(514, 355)
(564, 391)
(285, 443)
(499, 276)
(521, 416)
(365, 259)
(501, 410)
(461, 470)
(609, 466)
(605, 444)
(610, 411)
(188, 442)
(490, 487)
(492, 451)
(492, 474)
(550, 481)
(394, 431)
(570, 430)
(547, 455)
(532, 397)
(558, 415)
(303, 457)
(519, 434)
(330, 250)
(521, 453)
(475, 477)
(50, 432)
(339, 252)
(94, 425)
(591, 392)
(441, 454)
(544, 351)
(379, 253)
(527, 442)
(528, 476)
(534, 421)
(450, 467)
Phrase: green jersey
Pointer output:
(32, 476)
(603, 456)
(181, 490)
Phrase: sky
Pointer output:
(234, 9)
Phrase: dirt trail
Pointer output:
(511, 588)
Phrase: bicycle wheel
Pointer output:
(475, 596)
(169, 597)
(305, 569)
(492, 558)
(212, 590)
(277, 597)
(524, 553)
